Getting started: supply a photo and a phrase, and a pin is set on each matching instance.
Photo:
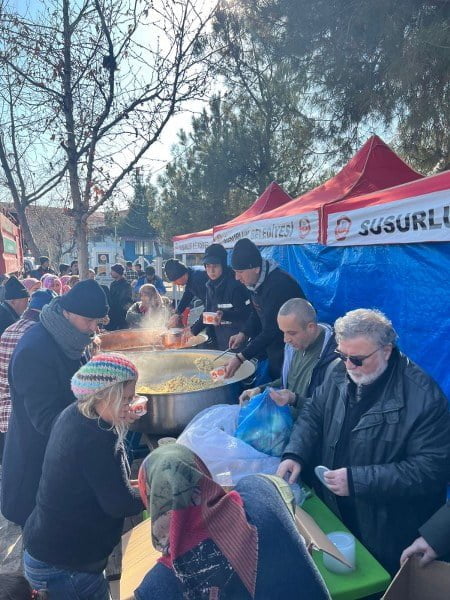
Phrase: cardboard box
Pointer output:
(314, 537)
(139, 556)
(414, 582)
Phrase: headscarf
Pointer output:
(31, 284)
(64, 279)
(51, 282)
(187, 509)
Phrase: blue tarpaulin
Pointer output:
(410, 283)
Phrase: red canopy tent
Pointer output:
(375, 166)
(418, 211)
(193, 243)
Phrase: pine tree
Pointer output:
(136, 222)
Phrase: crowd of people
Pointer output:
(362, 408)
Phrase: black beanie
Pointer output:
(215, 255)
(174, 269)
(86, 299)
(118, 268)
(43, 259)
(245, 255)
(15, 290)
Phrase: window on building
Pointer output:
(143, 247)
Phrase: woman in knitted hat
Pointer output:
(84, 493)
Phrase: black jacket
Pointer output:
(83, 495)
(195, 288)
(8, 316)
(39, 378)
(40, 272)
(399, 454)
(120, 300)
(436, 531)
(225, 291)
(266, 338)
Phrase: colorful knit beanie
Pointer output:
(102, 372)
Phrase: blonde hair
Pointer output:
(112, 396)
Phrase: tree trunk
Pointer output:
(81, 237)
(26, 231)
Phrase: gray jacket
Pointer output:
(400, 453)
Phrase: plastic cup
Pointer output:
(139, 405)
(210, 318)
(225, 480)
(218, 374)
(345, 543)
(166, 440)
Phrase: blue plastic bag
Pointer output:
(264, 425)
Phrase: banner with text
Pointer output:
(296, 229)
(424, 218)
(194, 245)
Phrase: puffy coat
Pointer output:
(39, 376)
(436, 531)
(399, 454)
(233, 299)
(262, 327)
(194, 288)
(120, 300)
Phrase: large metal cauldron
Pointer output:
(135, 339)
(168, 414)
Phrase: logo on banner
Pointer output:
(304, 227)
(342, 230)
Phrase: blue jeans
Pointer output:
(62, 584)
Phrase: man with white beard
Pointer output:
(382, 428)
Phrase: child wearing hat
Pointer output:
(84, 492)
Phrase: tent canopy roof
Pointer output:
(374, 167)
(421, 187)
(272, 197)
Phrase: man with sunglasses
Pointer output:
(382, 428)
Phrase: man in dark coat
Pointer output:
(225, 296)
(150, 276)
(14, 304)
(309, 352)
(194, 280)
(434, 540)
(39, 376)
(269, 287)
(120, 299)
(43, 269)
(383, 429)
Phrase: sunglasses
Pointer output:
(356, 360)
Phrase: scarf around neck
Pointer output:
(267, 267)
(71, 341)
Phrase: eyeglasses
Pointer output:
(356, 360)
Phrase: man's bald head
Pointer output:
(297, 319)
